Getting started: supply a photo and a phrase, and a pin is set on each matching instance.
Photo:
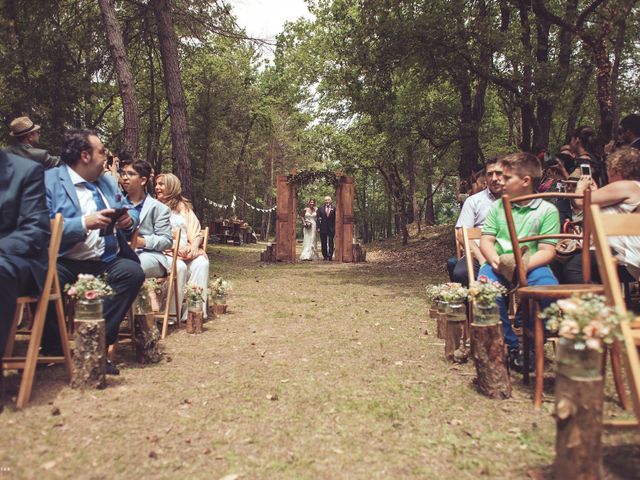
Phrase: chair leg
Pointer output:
(165, 318)
(539, 352)
(63, 328)
(526, 337)
(617, 375)
(11, 339)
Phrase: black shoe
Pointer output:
(516, 360)
(51, 351)
(112, 369)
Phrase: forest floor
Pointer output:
(318, 370)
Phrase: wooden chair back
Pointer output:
(172, 290)
(50, 292)
(609, 225)
(468, 236)
(516, 242)
(134, 239)
(206, 239)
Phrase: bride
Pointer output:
(308, 217)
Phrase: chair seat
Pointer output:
(543, 292)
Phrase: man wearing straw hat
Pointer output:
(27, 135)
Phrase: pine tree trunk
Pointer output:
(126, 80)
(175, 94)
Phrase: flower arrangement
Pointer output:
(584, 319)
(485, 292)
(219, 287)
(453, 292)
(433, 293)
(307, 224)
(193, 293)
(89, 287)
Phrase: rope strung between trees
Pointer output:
(233, 205)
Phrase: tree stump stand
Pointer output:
(578, 413)
(220, 308)
(453, 338)
(269, 255)
(359, 253)
(89, 355)
(433, 313)
(194, 321)
(441, 325)
(489, 356)
(147, 339)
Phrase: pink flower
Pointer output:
(72, 292)
(483, 279)
(91, 295)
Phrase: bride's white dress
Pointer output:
(309, 251)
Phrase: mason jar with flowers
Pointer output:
(194, 295)
(484, 294)
(434, 299)
(88, 293)
(218, 291)
(454, 294)
(584, 324)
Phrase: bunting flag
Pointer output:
(233, 205)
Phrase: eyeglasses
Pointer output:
(124, 173)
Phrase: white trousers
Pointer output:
(194, 271)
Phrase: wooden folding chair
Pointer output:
(468, 236)
(529, 296)
(172, 288)
(50, 293)
(609, 225)
(206, 239)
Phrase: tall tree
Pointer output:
(126, 81)
(175, 94)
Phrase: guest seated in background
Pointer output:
(629, 130)
(27, 136)
(622, 195)
(96, 222)
(154, 230)
(584, 145)
(473, 214)
(521, 173)
(24, 235)
(193, 264)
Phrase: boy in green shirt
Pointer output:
(521, 174)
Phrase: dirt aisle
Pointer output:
(319, 370)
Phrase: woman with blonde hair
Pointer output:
(193, 263)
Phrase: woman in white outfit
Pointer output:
(193, 263)
(309, 231)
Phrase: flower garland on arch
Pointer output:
(308, 176)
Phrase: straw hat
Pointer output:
(21, 126)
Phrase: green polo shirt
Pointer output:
(538, 217)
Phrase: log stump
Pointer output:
(453, 338)
(147, 339)
(220, 308)
(359, 253)
(89, 355)
(490, 358)
(441, 324)
(194, 321)
(578, 413)
(269, 255)
(433, 313)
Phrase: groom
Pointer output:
(327, 227)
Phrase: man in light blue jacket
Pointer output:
(97, 221)
(154, 230)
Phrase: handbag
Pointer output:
(568, 247)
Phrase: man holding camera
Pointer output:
(97, 220)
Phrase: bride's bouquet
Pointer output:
(307, 224)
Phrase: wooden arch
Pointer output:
(286, 215)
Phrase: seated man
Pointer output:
(27, 136)
(24, 236)
(154, 232)
(90, 203)
(473, 214)
(521, 173)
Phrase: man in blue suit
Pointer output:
(24, 234)
(92, 205)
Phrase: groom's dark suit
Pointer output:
(327, 229)
(24, 234)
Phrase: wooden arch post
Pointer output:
(286, 215)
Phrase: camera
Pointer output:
(585, 169)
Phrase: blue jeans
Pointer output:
(537, 276)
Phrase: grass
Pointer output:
(319, 370)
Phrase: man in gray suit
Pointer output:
(24, 236)
(27, 135)
(154, 231)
